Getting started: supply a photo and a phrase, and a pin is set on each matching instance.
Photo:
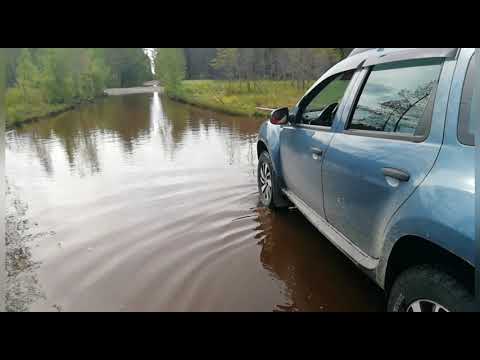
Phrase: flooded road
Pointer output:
(139, 203)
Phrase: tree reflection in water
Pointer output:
(130, 121)
(316, 275)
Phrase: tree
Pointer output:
(198, 62)
(26, 73)
(129, 66)
(39, 79)
(56, 79)
(246, 64)
(98, 72)
(9, 57)
(3, 84)
(170, 68)
(280, 64)
(226, 61)
(344, 52)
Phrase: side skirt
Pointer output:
(332, 234)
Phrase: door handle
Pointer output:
(396, 174)
(316, 153)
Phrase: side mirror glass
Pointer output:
(279, 116)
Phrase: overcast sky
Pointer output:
(149, 52)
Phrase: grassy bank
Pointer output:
(239, 98)
(27, 113)
(20, 111)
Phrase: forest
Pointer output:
(237, 80)
(46, 81)
(298, 64)
(42, 81)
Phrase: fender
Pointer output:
(456, 234)
(269, 137)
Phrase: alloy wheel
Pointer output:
(426, 306)
(266, 182)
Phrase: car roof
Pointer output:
(375, 51)
(359, 50)
(365, 57)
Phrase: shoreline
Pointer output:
(181, 98)
(49, 114)
(198, 103)
(238, 98)
(69, 107)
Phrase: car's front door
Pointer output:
(391, 139)
(304, 143)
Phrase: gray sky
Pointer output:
(149, 52)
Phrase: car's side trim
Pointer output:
(314, 127)
(411, 54)
(332, 234)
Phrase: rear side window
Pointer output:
(397, 98)
(465, 136)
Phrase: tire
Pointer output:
(427, 289)
(268, 184)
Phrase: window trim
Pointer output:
(412, 54)
(392, 135)
(386, 135)
(463, 132)
(314, 127)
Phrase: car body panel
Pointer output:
(439, 204)
(359, 199)
(442, 209)
(303, 148)
(302, 164)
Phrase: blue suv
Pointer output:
(378, 155)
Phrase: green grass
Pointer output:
(20, 111)
(236, 98)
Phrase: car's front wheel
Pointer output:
(268, 187)
(427, 289)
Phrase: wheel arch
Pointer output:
(261, 147)
(412, 250)
(269, 140)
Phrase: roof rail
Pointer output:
(359, 50)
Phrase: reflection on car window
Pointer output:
(396, 96)
(327, 100)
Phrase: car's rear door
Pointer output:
(390, 139)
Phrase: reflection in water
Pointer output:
(317, 276)
(155, 207)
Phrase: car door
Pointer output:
(388, 144)
(303, 143)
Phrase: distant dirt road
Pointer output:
(133, 90)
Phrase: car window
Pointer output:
(465, 135)
(322, 108)
(396, 96)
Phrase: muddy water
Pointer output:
(145, 204)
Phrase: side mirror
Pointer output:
(279, 116)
